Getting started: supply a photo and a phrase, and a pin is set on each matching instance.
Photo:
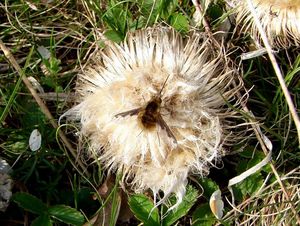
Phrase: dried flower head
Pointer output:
(154, 108)
(279, 18)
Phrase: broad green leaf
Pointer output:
(203, 216)
(245, 164)
(30, 203)
(214, 11)
(251, 184)
(113, 36)
(209, 187)
(66, 214)
(179, 22)
(144, 210)
(247, 152)
(166, 8)
(188, 201)
(43, 220)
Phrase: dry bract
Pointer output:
(279, 18)
(190, 121)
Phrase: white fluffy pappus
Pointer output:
(280, 20)
(193, 82)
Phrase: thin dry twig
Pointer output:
(199, 9)
(205, 24)
(39, 101)
(276, 69)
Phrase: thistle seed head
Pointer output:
(194, 81)
(280, 20)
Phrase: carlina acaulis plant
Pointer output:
(159, 107)
(280, 20)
